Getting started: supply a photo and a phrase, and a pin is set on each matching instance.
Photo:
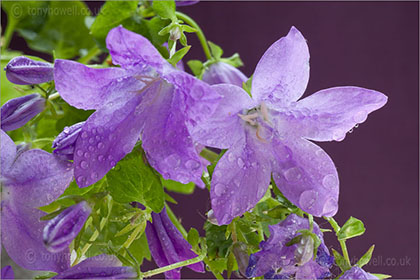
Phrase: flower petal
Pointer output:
(7, 152)
(224, 128)
(7, 272)
(329, 114)
(131, 50)
(224, 73)
(84, 87)
(107, 136)
(306, 175)
(282, 73)
(240, 178)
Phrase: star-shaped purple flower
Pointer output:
(268, 134)
(30, 179)
(146, 97)
(277, 260)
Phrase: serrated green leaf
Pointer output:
(134, 180)
(179, 55)
(366, 257)
(217, 265)
(217, 245)
(352, 228)
(140, 249)
(216, 50)
(165, 8)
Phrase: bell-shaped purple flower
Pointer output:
(16, 112)
(65, 142)
(223, 73)
(167, 245)
(7, 272)
(62, 229)
(268, 135)
(30, 179)
(357, 273)
(98, 267)
(146, 97)
(25, 71)
(280, 260)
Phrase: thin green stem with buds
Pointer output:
(199, 32)
(336, 229)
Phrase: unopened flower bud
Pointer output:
(240, 252)
(17, 112)
(25, 71)
(65, 141)
(61, 230)
(223, 73)
(305, 250)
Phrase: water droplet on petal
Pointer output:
(360, 117)
(339, 135)
(94, 175)
(231, 156)
(91, 140)
(112, 163)
(100, 145)
(81, 179)
(330, 207)
(330, 182)
(173, 160)
(66, 129)
(86, 155)
(100, 157)
(293, 174)
(217, 173)
(84, 134)
(219, 189)
(79, 153)
(307, 199)
(91, 148)
(240, 162)
(192, 164)
(84, 164)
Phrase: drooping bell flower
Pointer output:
(16, 112)
(223, 73)
(146, 97)
(267, 135)
(280, 260)
(62, 229)
(167, 246)
(65, 142)
(25, 71)
(98, 267)
(357, 273)
(30, 179)
(7, 272)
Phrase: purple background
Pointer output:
(373, 45)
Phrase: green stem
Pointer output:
(8, 33)
(91, 54)
(209, 155)
(176, 222)
(199, 33)
(336, 228)
(53, 96)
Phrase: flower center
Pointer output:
(258, 119)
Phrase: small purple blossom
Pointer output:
(277, 260)
(146, 97)
(223, 73)
(65, 142)
(167, 245)
(25, 71)
(98, 267)
(62, 229)
(30, 179)
(16, 112)
(7, 272)
(268, 135)
(357, 273)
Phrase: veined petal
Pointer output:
(306, 175)
(282, 73)
(107, 136)
(240, 178)
(84, 87)
(224, 128)
(7, 152)
(329, 114)
(131, 50)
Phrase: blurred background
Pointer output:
(368, 44)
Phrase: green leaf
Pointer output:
(140, 249)
(196, 67)
(230, 264)
(179, 55)
(112, 14)
(247, 87)
(217, 265)
(178, 187)
(352, 228)
(216, 51)
(381, 276)
(165, 8)
(217, 244)
(234, 60)
(340, 261)
(46, 275)
(193, 237)
(366, 257)
(134, 180)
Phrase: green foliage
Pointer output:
(165, 9)
(216, 50)
(340, 261)
(352, 228)
(193, 238)
(366, 257)
(179, 55)
(217, 243)
(178, 187)
(134, 180)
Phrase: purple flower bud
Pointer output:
(61, 230)
(65, 141)
(357, 273)
(17, 112)
(223, 73)
(25, 71)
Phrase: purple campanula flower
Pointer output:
(277, 260)
(62, 229)
(357, 273)
(98, 267)
(25, 71)
(16, 112)
(30, 179)
(144, 97)
(7, 272)
(65, 141)
(167, 245)
(223, 73)
(268, 134)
